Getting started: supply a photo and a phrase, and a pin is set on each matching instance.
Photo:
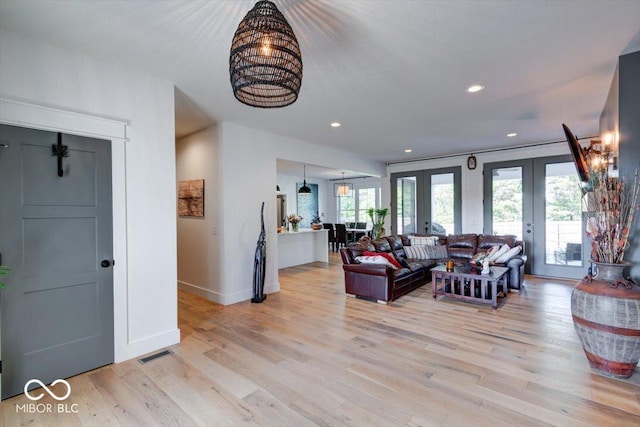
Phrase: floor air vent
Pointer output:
(155, 356)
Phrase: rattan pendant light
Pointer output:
(265, 63)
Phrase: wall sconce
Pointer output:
(604, 152)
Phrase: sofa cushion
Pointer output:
(424, 263)
(463, 241)
(377, 259)
(405, 239)
(381, 245)
(387, 255)
(401, 272)
(463, 253)
(395, 242)
(403, 262)
(487, 241)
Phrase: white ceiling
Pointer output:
(393, 72)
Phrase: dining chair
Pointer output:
(331, 235)
(341, 235)
(359, 234)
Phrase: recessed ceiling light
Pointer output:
(336, 125)
(475, 88)
(511, 135)
(408, 150)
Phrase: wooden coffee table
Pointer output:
(466, 283)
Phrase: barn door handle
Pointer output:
(105, 263)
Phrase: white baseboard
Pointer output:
(147, 345)
(225, 299)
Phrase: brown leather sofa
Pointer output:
(384, 284)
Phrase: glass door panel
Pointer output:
(508, 201)
(507, 208)
(442, 203)
(559, 239)
(406, 203)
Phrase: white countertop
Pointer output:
(302, 230)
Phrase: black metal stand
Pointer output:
(259, 264)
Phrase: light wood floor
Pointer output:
(311, 356)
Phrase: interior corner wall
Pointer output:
(58, 80)
(198, 244)
(248, 170)
(629, 145)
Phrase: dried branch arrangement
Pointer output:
(612, 204)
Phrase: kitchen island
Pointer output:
(302, 247)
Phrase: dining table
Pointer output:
(351, 233)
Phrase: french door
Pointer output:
(426, 201)
(538, 200)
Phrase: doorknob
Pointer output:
(105, 263)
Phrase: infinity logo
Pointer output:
(52, 394)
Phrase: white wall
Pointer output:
(248, 170)
(144, 196)
(472, 190)
(198, 245)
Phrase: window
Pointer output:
(353, 208)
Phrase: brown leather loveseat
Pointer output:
(384, 283)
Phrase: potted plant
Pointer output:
(294, 220)
(605, 305)
(316, 222)
(377, 220)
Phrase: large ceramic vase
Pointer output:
(606, 315)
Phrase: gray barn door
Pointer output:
(56, 236)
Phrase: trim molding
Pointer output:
(225, 299)
(148, 344)
(38, 116)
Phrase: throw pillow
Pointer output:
(375, 260)
(415, 252)
(423, 240)
(387, 255)
(426, 252)
(496, 254)
(505, 257)
(436, 252)
(491, 251)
